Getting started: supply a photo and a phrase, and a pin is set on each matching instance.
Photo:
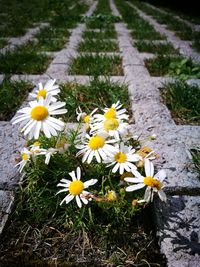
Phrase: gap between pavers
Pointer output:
(172, 144)
(183, 46)
(195, 27)
(18, 41)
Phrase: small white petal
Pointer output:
(134, 187)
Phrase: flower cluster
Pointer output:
(102, 138)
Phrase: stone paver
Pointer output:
(177, 221)
(172, 144)
(195, 27)
(183, 46)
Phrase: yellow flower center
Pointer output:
(86, 119)
(39, 113)
(110, 114)
(25, 157)
(76, 187)
(150, 181)
(42, 93)
(96, 142)
(111, 195)
(120, 157)
(111, 124)
(36, 143)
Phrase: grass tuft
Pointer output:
(183, 101)
(151, 47)
(23, 59)
(96, 65)
(12, 95)
(99, 45)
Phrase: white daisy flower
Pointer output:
(82, 116)
(35, 149)
(49, 88)
(48, 153)
(123, 158)
(114, 112)
(25, 156)
(96, 146)
(38, 117)
(113, 127)
(76, 188)
(151, 181)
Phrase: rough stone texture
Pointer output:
(10, 143)
(6, 202)
(177, 220)
(178, 226)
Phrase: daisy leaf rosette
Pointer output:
(98, 146)
(153, 183)
(76, 188)
(123, 159)
(49, 88)
(38, 117)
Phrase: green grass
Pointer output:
(97, 94)
(52, 32)
(12, 95)
(23, 60)
(183, 101)
(96, 65)
(22, 14)
(154, 48)
(68, 18)
(174, 66)
(3, 43)
(147, 35)
(104, 34)
(99, 45)
(51, 39)
(196, 158)
(50, 44)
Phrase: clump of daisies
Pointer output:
(101, 161)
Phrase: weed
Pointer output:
(183, 101)
(96, 65)
(174, 66)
